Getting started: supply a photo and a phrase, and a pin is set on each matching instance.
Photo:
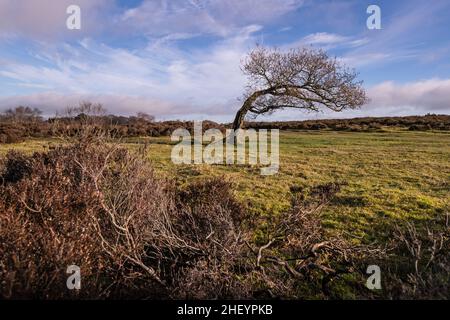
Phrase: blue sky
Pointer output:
(180, 59)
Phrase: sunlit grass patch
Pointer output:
(387, 177)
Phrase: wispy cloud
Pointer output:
(159, 18)
(327, 41)
(324, 38)
(403, 35)
(162, 79)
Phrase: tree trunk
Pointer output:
(240, 115)
(239, 118)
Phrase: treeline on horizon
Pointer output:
(23, 122)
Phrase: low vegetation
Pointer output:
(138, 232)
(23, 123)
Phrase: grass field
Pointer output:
(388, 177)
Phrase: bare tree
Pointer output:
(84, 122)
(86, 110)
(145, 116)
(23, 114)
(300, 78)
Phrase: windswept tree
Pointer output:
(301, 78)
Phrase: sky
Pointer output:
(180, 59)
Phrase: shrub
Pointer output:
(420, 266)
(101, 208)
(11, 134)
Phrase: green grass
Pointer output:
(389, 176)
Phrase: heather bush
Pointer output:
(101, 208)
(419, 267)
(12, 134)
(57, 211)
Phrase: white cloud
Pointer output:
(432, 95)
(327, 41)
(395, 99)
(323, 38)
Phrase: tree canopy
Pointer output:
(303, 78)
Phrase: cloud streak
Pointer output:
(222, 18)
